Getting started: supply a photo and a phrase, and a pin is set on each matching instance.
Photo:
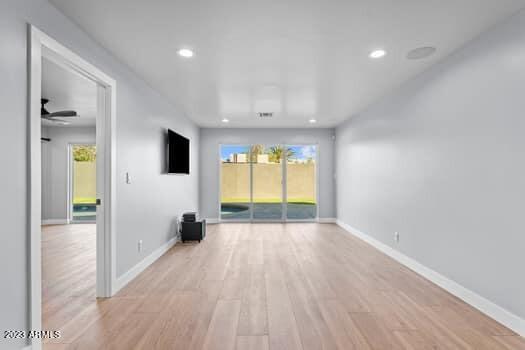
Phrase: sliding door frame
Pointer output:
(220, 219)
(70, 182)
(284, 183)
(316, 182)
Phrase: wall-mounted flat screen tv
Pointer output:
(178, 153)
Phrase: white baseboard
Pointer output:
(320, 220)
(55, 222)
(327, 220)
(141, 266)
(489, 308)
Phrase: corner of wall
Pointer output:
(486, 306)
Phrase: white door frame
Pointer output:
(316, 182)
(41, 45)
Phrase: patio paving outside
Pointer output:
(84, 212)
(268, 211)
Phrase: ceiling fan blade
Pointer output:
(63, 114)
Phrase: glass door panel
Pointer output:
(267, 185)
(83, 183)
(301, 203)
(235, 182)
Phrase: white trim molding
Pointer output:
(486, 306)
(54, 222)
(41, 45)
(127, 277)
(212, 220)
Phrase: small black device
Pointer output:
(189, 217)
(178, 153)
(192, 229)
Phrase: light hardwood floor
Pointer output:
(257, 287)
(68, 272)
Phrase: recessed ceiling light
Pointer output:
(377, 53)
(421, 52)
(185, 53)
(312, 121)
(225, 120)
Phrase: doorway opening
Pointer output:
(268, 182)
(69, 192)
(72, 250)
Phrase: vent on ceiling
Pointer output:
(265, 115)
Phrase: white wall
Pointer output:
(145, 209)
(55, 167)
(210, 139)
(441, 161)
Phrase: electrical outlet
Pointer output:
(140, 245)
(396, 237)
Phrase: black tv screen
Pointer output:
(178, 153)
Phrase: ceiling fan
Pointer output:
(54, 117)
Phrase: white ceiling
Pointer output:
(301, 58)
(67, 90)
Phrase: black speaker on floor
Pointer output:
(192, 229)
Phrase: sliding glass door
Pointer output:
(268, 182)
(301, 197)
(267, 179)
(83, 182)
(235, 182)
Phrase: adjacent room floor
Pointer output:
(262, 286)
(68, 272)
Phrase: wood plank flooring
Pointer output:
(68, 272)
(258, 287)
